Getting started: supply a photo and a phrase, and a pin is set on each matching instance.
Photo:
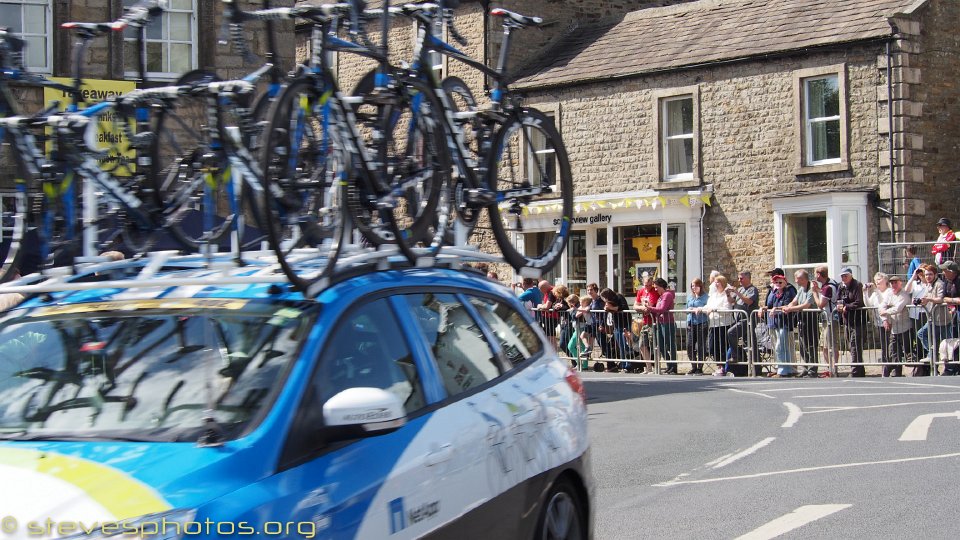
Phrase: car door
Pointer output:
(334, 485)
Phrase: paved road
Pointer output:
(704, 457)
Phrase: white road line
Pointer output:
(795, 388)
(835, 409)
(794, 416)
(917, 430)
(745, 453)
(884, 394)
(718, 460)
(806, 469)
(754, 393)
(794, 520)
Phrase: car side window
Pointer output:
(463, 356)
(518, 340)
(368, 349)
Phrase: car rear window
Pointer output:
(517, 338)
(463, 356)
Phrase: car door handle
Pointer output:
(439, 455)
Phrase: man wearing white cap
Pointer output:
(850, 305)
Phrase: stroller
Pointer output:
(765, 348)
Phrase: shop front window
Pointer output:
(640, 252)
(533, 245)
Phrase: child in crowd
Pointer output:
(584, 320)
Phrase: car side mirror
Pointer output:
(362, 412)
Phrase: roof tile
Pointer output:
(705, 31)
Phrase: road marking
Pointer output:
(718, 460)
(885, 394)
(794, 520)
(917, 430)
(794, 416)
(826, 409)
(793, 389)
(806, 469)
(745, 453)
(754, 393)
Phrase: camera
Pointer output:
(918, 301)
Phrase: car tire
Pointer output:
(562, 516)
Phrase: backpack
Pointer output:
(831, 308)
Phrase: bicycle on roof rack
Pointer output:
(506, 156)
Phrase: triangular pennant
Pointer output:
(685, 200)
(706, 199)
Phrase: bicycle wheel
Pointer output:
(472, 133)
(530, 166)
(304, 172)
(407, 123)
(13, 232)
(188, 176)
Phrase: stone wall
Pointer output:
(931, 116)
(748, 141)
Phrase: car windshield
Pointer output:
(155, 370)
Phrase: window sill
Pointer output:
(843, 166)
(667, 185)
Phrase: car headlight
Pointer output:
(169, 525)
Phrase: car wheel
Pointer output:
(562, 516)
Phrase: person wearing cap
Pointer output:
(951, 298)
(647, 296)
(893, 313)
(937, 327)
(779, 272)
(781, 323)
(850, 304)
(942, 251)
(747, 300)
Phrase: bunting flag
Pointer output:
(655, 202)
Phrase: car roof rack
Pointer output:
(170, 269)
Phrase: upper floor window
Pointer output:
(822, 119)
(677, 130)
(30, 19)
(540, 157)
(171, 42)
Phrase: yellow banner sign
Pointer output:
(119, 159)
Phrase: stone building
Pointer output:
(733, 134)
(746, 135)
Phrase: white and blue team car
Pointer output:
(177, 401)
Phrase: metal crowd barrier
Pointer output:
(735, 342)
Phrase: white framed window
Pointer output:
(171, 42)
(821, 229)
(31, 19)
(677, 137)
(540, 156)
(821, 119)
(821, 98)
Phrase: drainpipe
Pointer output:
(485, 4)
(893, 207)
